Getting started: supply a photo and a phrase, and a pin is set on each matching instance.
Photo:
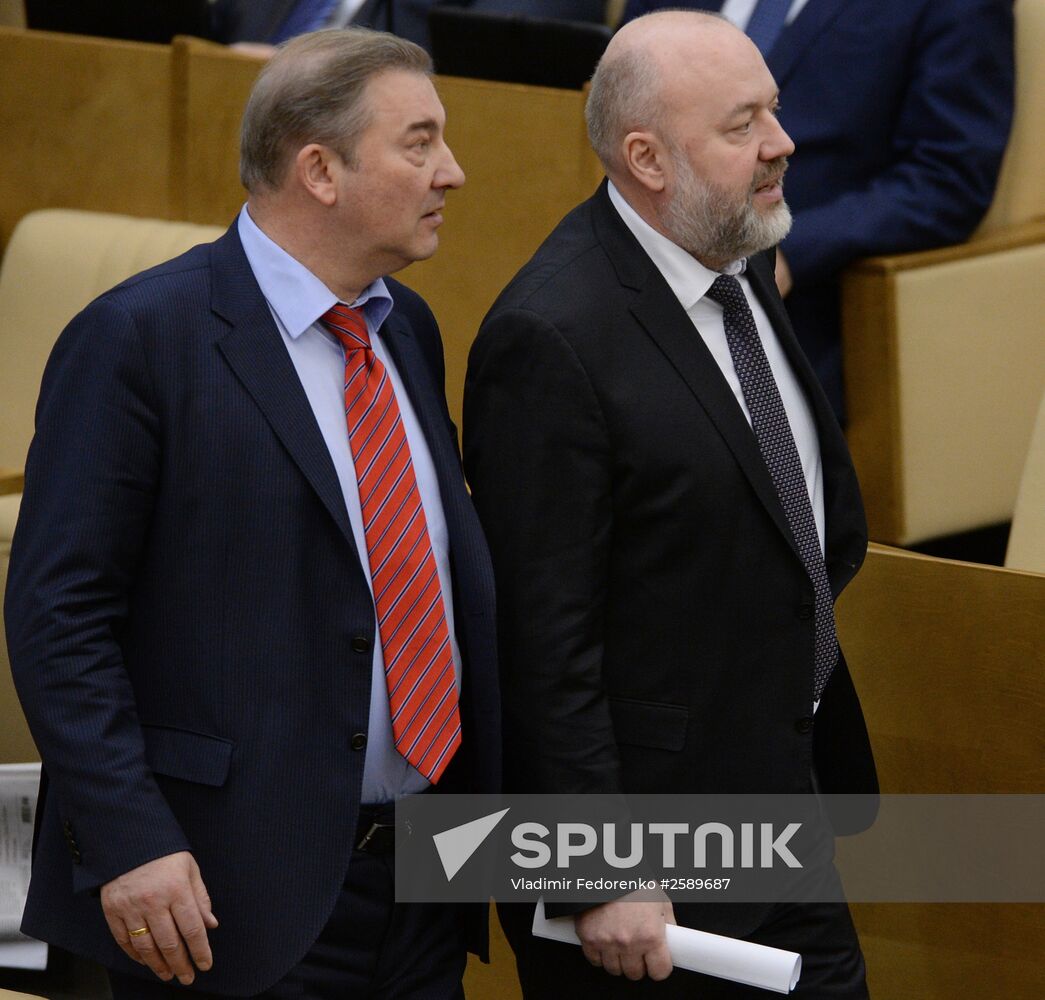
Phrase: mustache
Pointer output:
(772, 173)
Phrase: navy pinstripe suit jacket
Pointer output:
(183, 598)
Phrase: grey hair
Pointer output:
(623, 98)
(312, 90)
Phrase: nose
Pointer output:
(777, 143)
(449, 174)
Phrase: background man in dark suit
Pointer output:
(241, 625)
(668, 532)
(900, 110)
(274, 21)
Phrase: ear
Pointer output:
(316, 169)
(645, 158)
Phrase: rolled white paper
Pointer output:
(714, 955)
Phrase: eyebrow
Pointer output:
(749, 106)
(428, 125)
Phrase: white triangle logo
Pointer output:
(458, 844)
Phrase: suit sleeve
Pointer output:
(537, 458)
(91, 477)
(951, 131)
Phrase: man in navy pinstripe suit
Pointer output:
(190, 614)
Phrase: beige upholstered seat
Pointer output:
(945, 350)
(56, 262)
(1027, 539)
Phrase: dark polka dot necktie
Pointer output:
(777, 444)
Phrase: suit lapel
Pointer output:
(796, 38)
(760, 275)
(410, 363)
(799, 35)
(255, 351)
(664, 320)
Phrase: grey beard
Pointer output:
(700, 219)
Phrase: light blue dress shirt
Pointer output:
(297, 300)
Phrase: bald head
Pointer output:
(682, 113)
(650, 65)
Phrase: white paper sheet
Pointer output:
(714, 955)
(19, 784)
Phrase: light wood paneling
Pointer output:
(498, 980)
(12, 13)
(527, 160)
(210, 86)
(949, 661)
(11, 481)
(86, 124)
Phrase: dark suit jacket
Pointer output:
(189, 623)
(900, 111)
(130, 19)
(253, 21)
(655, 618)
(239, 20)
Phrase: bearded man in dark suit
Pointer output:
(669, 502)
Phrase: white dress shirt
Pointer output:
(690, 281)
(297, 299)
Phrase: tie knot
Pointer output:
(726, 291)
(348, 325)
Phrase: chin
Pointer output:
(776, 224)
(426, 248)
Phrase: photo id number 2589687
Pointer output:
(690, 884)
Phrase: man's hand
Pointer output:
(168, 898)
(627, 936)
(784, 281)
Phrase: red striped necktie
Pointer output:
(411, 619)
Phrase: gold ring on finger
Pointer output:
(139, 932)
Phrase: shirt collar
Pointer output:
(293, 292)
(685, 275)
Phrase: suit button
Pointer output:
(77, 859)
(358, 741)
(360, 644)
(804, 725)
(805, 611)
